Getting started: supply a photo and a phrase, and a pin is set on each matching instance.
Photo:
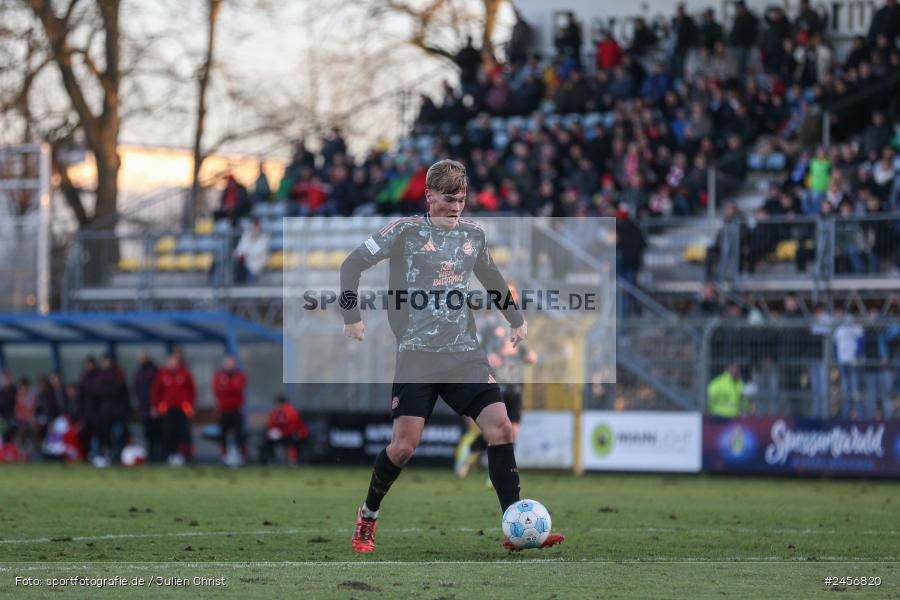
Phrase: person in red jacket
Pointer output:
(609, 53)
(173, 396)
(286, 427)
(228, 386)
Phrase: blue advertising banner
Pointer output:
(802, 446)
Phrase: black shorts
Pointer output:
(462, 379)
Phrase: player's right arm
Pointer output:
(376, 248)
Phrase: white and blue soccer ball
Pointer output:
(526, 524)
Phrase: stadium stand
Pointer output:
(660, 134)
(752, 170)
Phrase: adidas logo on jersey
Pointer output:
(428, 247)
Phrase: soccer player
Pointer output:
(502, 355)
(438, 353)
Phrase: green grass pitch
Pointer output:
(285, 533)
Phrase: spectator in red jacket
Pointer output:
(228, 386)
(287, 428)
(609, 52)
(173, 397)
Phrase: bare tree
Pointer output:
(90, 76)
(69, 74)
(437, 26)
(213, 9)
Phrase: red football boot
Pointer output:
(552, 540)
(364, 534)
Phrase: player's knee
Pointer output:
(401, 450)
(501, 433)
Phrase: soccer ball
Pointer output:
(133, 455)
(526, 524)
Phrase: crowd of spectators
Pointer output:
(97, 418)
(644, 118)
(678, 99)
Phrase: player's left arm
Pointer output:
(376, 248)
(493, 281)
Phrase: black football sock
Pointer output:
(478, 444)
(383, 475)
(504, 474)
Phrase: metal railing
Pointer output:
(792, 367)
(19, 261)
(787, 367)
(132, 262)
(823, 249)
(25, 216)
(143, 263)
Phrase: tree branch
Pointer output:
(57, 34)
(71, 193)
(68, 15)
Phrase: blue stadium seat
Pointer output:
(208, 244)
(272, 225)
(316, 223)
(185, 243)
(516, 121)
(591, 119)
(755, 162)
(424, 142)
(570, 119)
(276, 243)
(338, 224)
(776, 161)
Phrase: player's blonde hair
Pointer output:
(446, 177)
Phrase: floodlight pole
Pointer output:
(43, 249)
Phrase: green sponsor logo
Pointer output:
(602, 439)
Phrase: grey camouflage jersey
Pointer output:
(428, 261)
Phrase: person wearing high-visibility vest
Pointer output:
(725, 393)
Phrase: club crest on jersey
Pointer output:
(468, 248)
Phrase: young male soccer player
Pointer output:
(438, 354)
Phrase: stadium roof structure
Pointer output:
(112, 329)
